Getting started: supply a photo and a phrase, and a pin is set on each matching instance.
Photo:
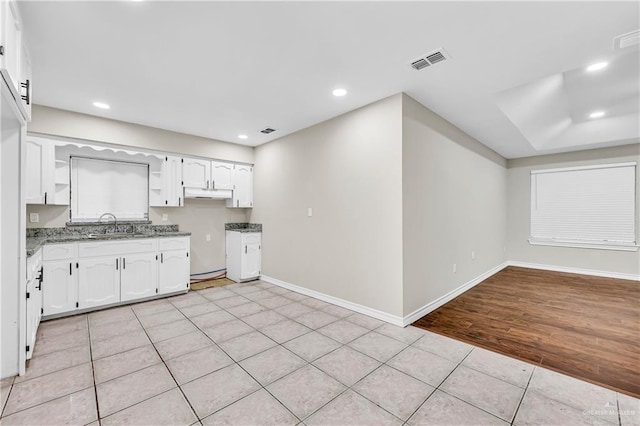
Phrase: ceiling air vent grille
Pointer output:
(429, 59)
(420, 63)
(267, 130)
(626, 40)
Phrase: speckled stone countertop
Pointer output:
(243, 227)
(37, 237)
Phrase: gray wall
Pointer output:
(200, 217)
(519, 211)
(348, 169)
(454, 202)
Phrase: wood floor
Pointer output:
(583, 326)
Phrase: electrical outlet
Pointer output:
(455, 267)
(165, 217)
(208, 237)
(309, 212)
(473, 255)
(34, 217)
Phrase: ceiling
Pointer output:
(220, 69)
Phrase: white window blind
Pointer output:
(584, 206)
(101, 186)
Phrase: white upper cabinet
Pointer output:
(15, 64)
(196, 173)
(243, 187)
(165, 183)
(221, 175)
(38, 156)
(11, 42)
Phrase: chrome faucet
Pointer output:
(115, 220)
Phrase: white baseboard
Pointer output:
(431, 306)
(392, 319)
(570, 270)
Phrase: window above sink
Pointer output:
(99, 186)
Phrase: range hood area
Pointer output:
(214, 194)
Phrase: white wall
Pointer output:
(348, 169)
(200, 217)
(519, 211)
(68, 124)
(454, 202)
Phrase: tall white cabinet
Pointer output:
(244, 255)
(14, 116)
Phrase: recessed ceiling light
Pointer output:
(243, 137)
(596, 114)
(101, 105)
(339, 92)
(597, 66)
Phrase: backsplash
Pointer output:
(83, 229)
(253, 226)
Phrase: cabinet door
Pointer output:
(59, 287)
(196, 173)
(172, 181)
(11, 40)
(99, 281)
(173, 272)
(221, 175)
(138, 277)
(37, 158)
(33, 312)
(243, 187)
(251, 261)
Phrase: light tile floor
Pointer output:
(252, 354)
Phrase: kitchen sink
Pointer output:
(116, 235)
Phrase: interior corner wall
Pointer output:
(200, 217)
(348, 170)
(453, 204)
(519, 213)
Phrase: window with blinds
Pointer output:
(592, 206)
(99, 186)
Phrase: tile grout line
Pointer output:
(310, 363)
(238, 364)
(93, 372)
(165, 366)
(44, 375)
(526, 388)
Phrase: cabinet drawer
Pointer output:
(60, 251)
(180, 243)
(252, 237)
(117, 248)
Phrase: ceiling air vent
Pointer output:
(267, 130)
(626, 40)
(420, 63)
(430, 58)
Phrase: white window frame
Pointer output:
(604, 245)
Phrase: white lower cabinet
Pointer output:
(99, 281)
(173, 271)
(138, 276)
(244, 255)
(59, 278)
(34, 300)
(93, 274)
